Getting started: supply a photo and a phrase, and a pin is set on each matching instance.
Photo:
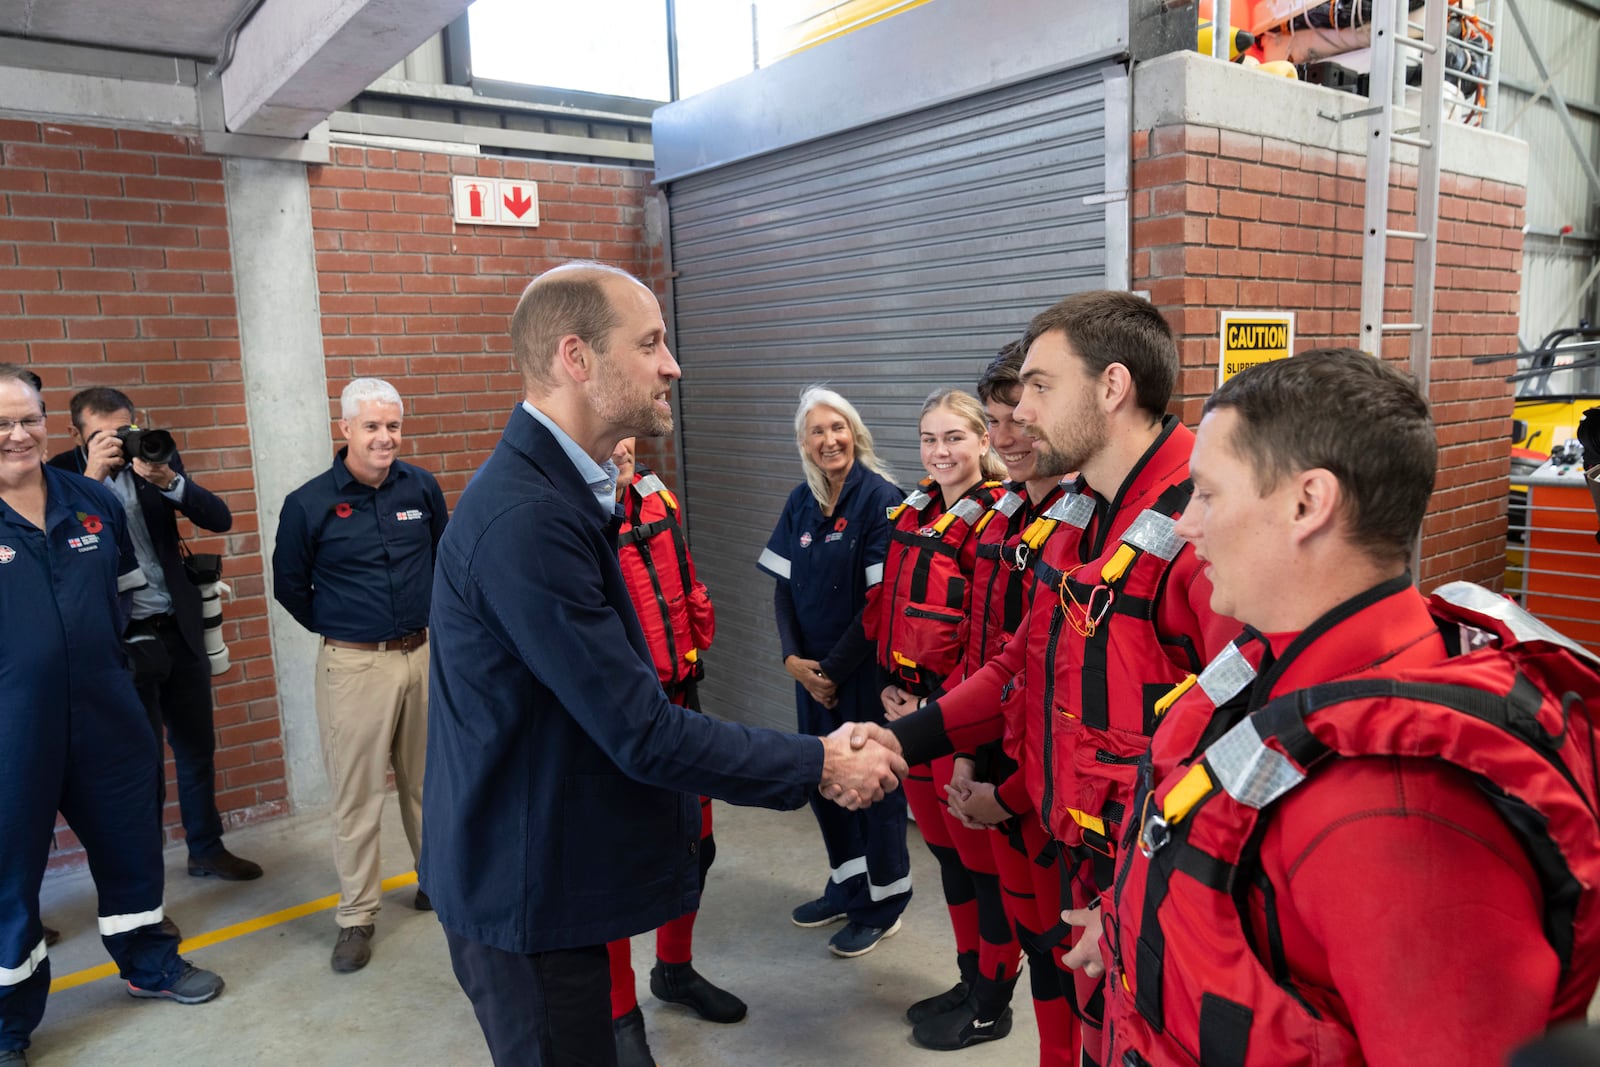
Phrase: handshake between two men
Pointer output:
(861, 763)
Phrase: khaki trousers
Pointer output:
(372, 708)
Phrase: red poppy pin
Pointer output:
(91, 523)
(840, 524)
(342, 509)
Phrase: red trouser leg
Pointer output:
(1033, 893)
(623, 996)
(959, 896)
(675, 939)
(999, 955)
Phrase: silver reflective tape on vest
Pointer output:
(968, 510)
(874, 574)
(1074, 509)
(1252, 773)
(1155, 534)
(1008, 504)
(918, 500)
(773, 563)
(649, 484)
(1226, 676)
(1522, 625)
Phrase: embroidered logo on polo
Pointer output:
(7, 553)
(410, 515)
(86, 543)
(805, 539)
(838, 531)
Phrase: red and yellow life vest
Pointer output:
(674, 608)
(1187, 983)
(917, 615)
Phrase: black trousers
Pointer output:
(174, 684)
(541, 1009)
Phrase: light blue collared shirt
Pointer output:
(600, 478)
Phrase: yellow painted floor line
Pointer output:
(228, 933)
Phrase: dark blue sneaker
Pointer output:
(858, 940)
(816, 913)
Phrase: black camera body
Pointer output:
(152, 446)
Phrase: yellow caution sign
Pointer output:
(1251, 337)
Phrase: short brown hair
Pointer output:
(567, 300)
(12, 372)
(1105, 326)
(1003, 376)
(1348, 413)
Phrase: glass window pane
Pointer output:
(614, 47)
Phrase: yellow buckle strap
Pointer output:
(1038, 532)
(894, 512)
(943, 522)
(692, 656)
(1117, 565)
(1173, 694)
(1192, 788)
(1087, 821)
(901, 661)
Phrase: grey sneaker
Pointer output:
(192, 986)
(353, 949)
(858, 940)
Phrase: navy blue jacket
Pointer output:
(202, 507)
(560, 807)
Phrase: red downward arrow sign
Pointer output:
(518, 204)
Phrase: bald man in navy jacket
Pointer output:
(560, 810)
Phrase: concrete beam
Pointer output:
(286, 403)
(62, 97)
(299, 60)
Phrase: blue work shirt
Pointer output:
(356, 563)
(830, 561)
(61, 589)
(562, 806)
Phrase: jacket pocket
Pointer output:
(620, 837)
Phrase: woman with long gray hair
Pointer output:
(827, 550)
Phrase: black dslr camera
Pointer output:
(152, 446)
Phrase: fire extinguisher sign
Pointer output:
(495, 201)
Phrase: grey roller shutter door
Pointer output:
(886, 261)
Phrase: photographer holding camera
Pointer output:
(165, 641)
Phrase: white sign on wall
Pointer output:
(495, 201)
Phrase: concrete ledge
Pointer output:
(1186, 88)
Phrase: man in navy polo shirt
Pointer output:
(563, 806)
(354, 563)
(74, 737)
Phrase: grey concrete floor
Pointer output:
(283, 1004)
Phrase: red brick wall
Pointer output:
(1226, 220)
(115, 270)
(410, 296)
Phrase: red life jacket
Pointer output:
(1003, 585)
(1101, 630)
(674, 608)
(1514, 710)
(918, 613)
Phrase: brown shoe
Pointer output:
(353, 949)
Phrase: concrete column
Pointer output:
(286, 402)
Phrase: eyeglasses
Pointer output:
(29, 423)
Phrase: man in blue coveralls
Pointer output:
(561, 809)
(73, 735)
